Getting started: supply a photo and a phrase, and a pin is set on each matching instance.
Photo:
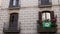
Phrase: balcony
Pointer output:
(8, 29)
(45, 24)
(41, 29)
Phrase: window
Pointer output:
(44, 3)
(12, 26)
(46, 16)
(46, 19)
(14, 4)
(13, 20)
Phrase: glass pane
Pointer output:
(46, 16)
(14, 2)
(50, 1)
(44, 2)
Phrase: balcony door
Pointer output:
(13, 20)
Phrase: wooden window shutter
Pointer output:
(40, 17)
(52, 14)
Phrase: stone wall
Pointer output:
(28, 15)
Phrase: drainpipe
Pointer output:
(59, 5)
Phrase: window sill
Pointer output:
(44, 6)
(14, 8)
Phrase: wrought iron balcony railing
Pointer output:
(6, 28)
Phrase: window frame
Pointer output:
(50, 1)
(11, 6)
(44, 5)
(13, 22)
(45, 16)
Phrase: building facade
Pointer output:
(27, 14)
